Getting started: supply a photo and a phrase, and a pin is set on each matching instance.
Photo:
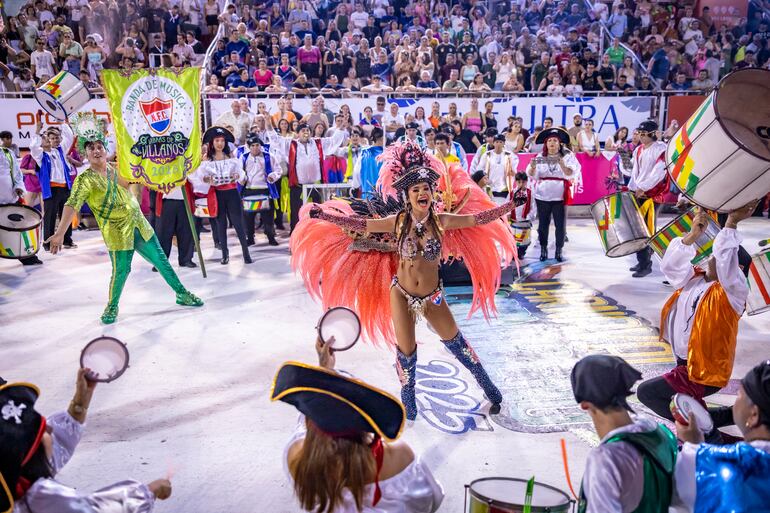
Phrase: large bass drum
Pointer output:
(621, 227)
(508, 495)
(720, 158)
(19, 231)
(759, 284)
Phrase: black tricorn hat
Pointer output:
(218, 131)
(562, 134)
(21, 431)
(338, 405)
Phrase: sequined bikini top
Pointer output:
(410, 249)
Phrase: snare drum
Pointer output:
(522, 231)
(506, 495)
(759, 284)
(621, 227)
(679, 227)
(256, 203)
(19, 231)
(202, 207)
(682, 405)
(62, 95)
(720, 158)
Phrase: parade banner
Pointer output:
(156, 115)
(607, 113)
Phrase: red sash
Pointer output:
(293, 179)
(567, 187)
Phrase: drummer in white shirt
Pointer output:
(12, 185)
(348, 429)
(259, 169)
(649, 182)
(500, 166)
(700, 468)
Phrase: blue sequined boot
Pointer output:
(467, 356)
(406, 367)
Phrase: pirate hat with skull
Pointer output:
(21, 431)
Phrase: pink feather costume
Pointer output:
(341, 268)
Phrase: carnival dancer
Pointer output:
(34, 448)
(260, 169)
(700, 319)
(500, 167)
(649, 182)
(172, 221)
(488, 145)
(399, 239)
(631, 470)
(524, 211)
(555, 170)
(49, 150)
(12, 189)
(305, 156)
(221, 172)
(120, 220)
(346, 436)
(717, 477)
(366, 170)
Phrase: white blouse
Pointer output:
(413, 490)
(49, 496)
(221, 172)
(553, 190)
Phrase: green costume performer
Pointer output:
(123, 228)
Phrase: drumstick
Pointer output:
(566, 467)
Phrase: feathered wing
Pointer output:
(484, 248)
(337, 274)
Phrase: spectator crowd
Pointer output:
(376, 46)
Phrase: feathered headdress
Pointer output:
(87, 128)
(405, 164)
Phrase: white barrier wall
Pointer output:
(19, 114)
(607, 113)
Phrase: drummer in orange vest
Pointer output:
(700, 319)
(649, 182)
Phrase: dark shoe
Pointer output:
(634, 268)
(250, 242)
(247, 259)
(279, 226)
(216, 246)
(33, 260)
(459, 347)
(225, 260)
(187, 298)
(641, 273)
(566, 239)
(406, 367)
(154, 269)
(559, 258)
(70, 245)
(205, 230)
(191, 265)
(543, 254)
(271, 241)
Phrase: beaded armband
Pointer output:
(487, 216)
(354, 224)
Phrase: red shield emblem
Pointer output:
(158, 114)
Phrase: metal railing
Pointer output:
(212, 48)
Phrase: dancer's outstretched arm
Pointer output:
(357, 224)
(456, 221)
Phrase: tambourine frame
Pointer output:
(321, 321)
(120, 372)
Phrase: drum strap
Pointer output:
(378, 450)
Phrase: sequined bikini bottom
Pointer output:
(418, 304)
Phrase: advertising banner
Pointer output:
(156, 117)
(608, 114)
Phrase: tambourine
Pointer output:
(681, 407)
(550, 159)
(106, 357)
(341, 323)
